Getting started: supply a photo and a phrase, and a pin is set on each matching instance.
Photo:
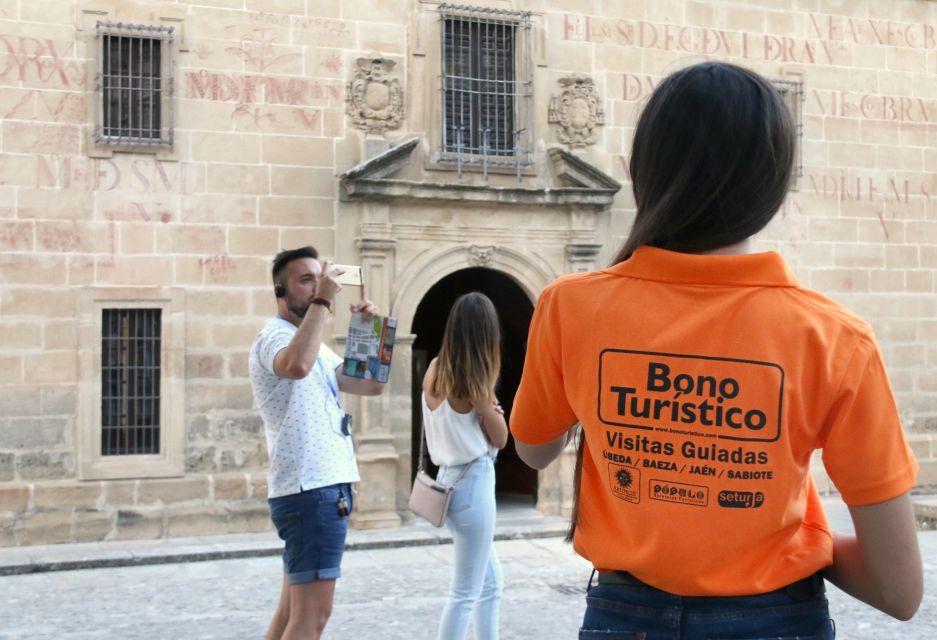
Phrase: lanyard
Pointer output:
(328, 381)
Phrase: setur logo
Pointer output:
(741, 499)
(625, 482)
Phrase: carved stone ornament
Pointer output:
(480, 256)
(374, 101)
(578, 111)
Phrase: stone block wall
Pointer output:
(197, 505)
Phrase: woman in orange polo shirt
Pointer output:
(704, 376)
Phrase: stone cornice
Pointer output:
(368, 182)
(581, 173)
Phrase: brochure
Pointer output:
(370, 347)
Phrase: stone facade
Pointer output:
(318, 122)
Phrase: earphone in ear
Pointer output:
(279, 290)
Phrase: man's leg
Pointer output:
(313, 529)
(282, 615)
(310, 607)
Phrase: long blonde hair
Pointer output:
(470, 357)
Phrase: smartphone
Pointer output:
(352, 275)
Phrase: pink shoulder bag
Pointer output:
(430, 499)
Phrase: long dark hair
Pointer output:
(711, 163)
(470, 356)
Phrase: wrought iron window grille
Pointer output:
(486, 87)
(134, 85)
(130, 381)
(792, 91)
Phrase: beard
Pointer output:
(298, 307)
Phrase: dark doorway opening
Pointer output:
(514, 479)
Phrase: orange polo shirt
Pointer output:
(703, 384)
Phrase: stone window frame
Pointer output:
(170, 461)
(428, 44)
(135, 90)
(158, 17)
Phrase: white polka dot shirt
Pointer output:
(302, 418)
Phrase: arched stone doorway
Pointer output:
(515, 480)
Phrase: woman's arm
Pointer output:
(491, 418)
(881, 564)
(538, 456)
(429, 378)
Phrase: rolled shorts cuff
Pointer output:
(304, 577)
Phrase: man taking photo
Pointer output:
(296, 381)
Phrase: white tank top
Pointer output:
(453, 438)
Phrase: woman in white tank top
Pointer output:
(465, 427)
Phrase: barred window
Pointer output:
(793, 93)
(486, 86)
(134, 85)
(130, 381)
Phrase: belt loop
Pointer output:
(589, 585)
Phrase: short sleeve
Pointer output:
(541, 411)
(270, 345)
(865, 451)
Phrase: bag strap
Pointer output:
(421, 465)
(462, 473)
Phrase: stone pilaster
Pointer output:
(580, 256)
(400, 414)
(374, 443)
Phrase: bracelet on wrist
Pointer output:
(325, 302)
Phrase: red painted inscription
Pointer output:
(43, 61)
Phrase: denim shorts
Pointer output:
(637, 611)
(313, 532)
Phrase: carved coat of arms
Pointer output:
(374, 101)
(578, 111)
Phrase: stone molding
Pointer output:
(530, 271)
(582, 255)
(585, 184)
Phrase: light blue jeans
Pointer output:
(477, 582)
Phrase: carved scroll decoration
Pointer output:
(373, 100)
(577, 111)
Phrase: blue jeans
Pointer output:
(641, 612)
(477, 582)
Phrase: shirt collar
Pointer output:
(766, 269)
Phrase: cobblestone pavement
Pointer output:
(384, 594)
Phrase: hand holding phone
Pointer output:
(352, 275)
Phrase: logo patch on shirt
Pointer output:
(678, 492)
(705, 396)
(741, 499)
(625, 482)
